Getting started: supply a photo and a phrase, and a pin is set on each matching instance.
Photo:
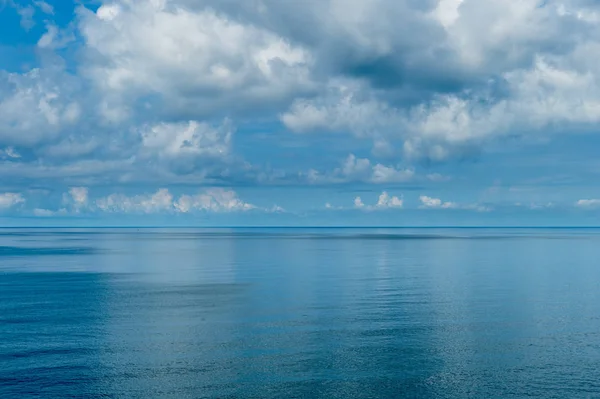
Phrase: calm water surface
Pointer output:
(299, 313)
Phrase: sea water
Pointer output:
(300, 313)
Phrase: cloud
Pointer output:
(355, 169)
(588, 203)
(346, 106)
(540, 99)
(361, 169)
(213, 200)
(44, 7)
(181, 146)
(428, 202)
(43, 212)
(55, 38)
(540, 206)
(277, 209)
(167, 92)
(384, 201)
(436, 203)
(478, 207)
(46, 213)
(358, 203)
(436, 177)
(387, 201)
(77, 197)
(8, 200)
(36, 107)
(201, 62)
(9, 153)
(543, 81)
(160, 201)
(26, 13)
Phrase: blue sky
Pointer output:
(280, 112)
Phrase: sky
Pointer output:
(287, 112)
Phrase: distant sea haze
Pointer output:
(299, 313)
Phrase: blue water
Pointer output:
(300, 313)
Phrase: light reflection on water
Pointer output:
(300, 313)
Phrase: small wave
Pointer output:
(45, 251)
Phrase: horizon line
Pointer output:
(298, 227)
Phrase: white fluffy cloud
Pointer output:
(532, 71)
(187, 139)
(215, 200)
(76, 198)
(35, 107)
(346, 106)
(79, 195)
(355, 169)
(358, 203)
(361, 169)
(538, 206)
(8, 200)
(160, 201)
(429, 202)
(139, 93)
(41, 212)
(385, 201)
(198, 60)
(552, 92)
(436, 203)
(588, 203)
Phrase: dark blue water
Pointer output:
(259, 313)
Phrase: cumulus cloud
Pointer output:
(387, 201)
(8, 200)
(43, 212)
(213, 200)
(55, 38)
(135, 92)
(436, 203)
(355, 169)
(588, 203)
(76, 198)
(35, 107)
(346, 106)
(384, 201)
(46, 213)
(182, 146)
(358, 203)
(79, 195)
(361, 169)
(541, 206)
(160, 201)
(9, 153)
(200, 61)
(429, 202)
(531, 71)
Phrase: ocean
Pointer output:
(299, 313)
